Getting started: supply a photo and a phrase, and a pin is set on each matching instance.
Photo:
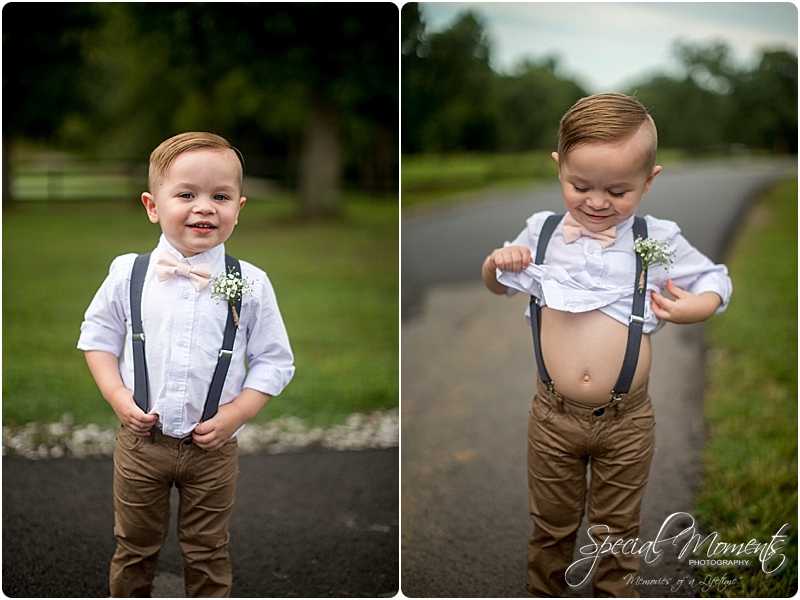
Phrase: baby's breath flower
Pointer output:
(231, 288)
(653, 251)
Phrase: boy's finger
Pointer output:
(656, 298)
(660, 304)
(674, 289)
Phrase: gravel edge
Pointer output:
(376, 430)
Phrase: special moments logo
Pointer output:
(718, 553)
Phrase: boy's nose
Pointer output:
(203, 205)
(596, 201)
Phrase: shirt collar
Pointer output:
(624, 227)
(212, 256)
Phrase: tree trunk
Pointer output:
(320, 169)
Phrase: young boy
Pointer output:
(592, 408)
(195, 185)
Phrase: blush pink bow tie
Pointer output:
(573, 230)
(167, 266)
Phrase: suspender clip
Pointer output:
(636, 319)
(138, 337)
(616, 397)
(224, 352)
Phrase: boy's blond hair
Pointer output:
(168, 150)
(607, 118)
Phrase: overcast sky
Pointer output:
(606, 46)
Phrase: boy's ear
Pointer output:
(656, 170)
(242, 202)
(555, 158)
(150, 204)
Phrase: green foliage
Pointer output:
(714, 104)
(453, 101)
(446, 86)
(750, 464)
(767, 111)
(530, 103)
(336, 282)
(116, 79)
(46, 65)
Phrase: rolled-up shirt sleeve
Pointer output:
(269, 354)
(105, 324)
(691, 270)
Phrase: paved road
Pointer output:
(311, 524)
(468, 376)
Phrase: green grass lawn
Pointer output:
(431, 180)
(336, 282)
(750, 463)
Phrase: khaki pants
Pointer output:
(145, 469)
(616, 444)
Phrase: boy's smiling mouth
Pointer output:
(202, 226)
(596, 218)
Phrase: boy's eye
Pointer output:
(220, 198)
(580, 189)
(617, 194)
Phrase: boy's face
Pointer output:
(197, 201)
(602, 184)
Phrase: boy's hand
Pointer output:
(105, 370)
(212, 434)
(130, 415)
(511, 258)
(686, 308)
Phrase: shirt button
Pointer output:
(186, 293)
(181, 341)
(592, 250)
(170, 429)
(176, 387)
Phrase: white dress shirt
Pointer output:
(584, 276)
(183, 331)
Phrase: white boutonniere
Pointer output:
(653, 251)
(231, 288)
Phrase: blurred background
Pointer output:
(484, 85)
(302, 89)
(307, 91)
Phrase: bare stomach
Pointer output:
(583, 354)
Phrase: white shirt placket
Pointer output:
(179, 356)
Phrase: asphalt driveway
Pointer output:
(310, 524)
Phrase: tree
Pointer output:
(42, 68)
(715, 104)
(447, 83)
(454, 101)
(767, 109)
(531, 102)
(303, 88)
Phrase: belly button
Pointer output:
(586, 378)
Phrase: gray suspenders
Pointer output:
(141, 387)
(635, 322)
